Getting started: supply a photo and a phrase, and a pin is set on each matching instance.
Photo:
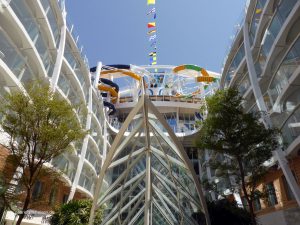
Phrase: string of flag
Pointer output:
(152, 32)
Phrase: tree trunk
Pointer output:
(251, 210)
(253, 217)
(25, 206)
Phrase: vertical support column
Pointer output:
(177, 119)
(148, 189)
(266, 119)
(105, 142)
(97, 77)
(60, 52)
(84, 147)
(148, 182)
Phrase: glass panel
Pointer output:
(14, 60)
(288, 66)
(244, 85)
(272, 198)
(234, 64)
(73, 62)
(278, 20)
(29, 22)
(255, 19)
(291, 129)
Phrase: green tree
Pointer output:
(224, 212)
(241, 138)
(39, 125)
(76, 212)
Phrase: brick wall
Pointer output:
(6, 168)
(60, 187)
(275, 175)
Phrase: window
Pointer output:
(256, 203)
(245, 203)
(196, 167)
(37, 190)
(65, 198)
(272, 198)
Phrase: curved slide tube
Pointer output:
(205, 75)
(199, 116)
(191, 67)
(124, 72)
(112, 92)
(117, 66)
(110, 83)
(113, 89)
(111, 107)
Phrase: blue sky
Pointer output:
(188, 31)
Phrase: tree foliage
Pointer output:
(224, 212)
(241, 138)
(76, 212)
(39, 126)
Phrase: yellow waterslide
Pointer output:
(121, 72)
(111, 90)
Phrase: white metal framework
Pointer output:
(152, 179)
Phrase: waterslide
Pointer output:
(120, 72)
(111, 87)
(194, 71)
(107, 85)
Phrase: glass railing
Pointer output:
(244, 85)
(267, 101)
(234, 64)
(257, 13)
(249, 102)
(74, 64)
(86, 181)
(96, 135)
(63, 164)
(15, 62)
(285, 109)
(52, 20)
(97, 110)
(291, 128)
(90, 156)
(29, 22)
(69, 91)
(235, 32)
(187, 123)
(288, 66)
(273, 30)
(75, 37)
(271, 33)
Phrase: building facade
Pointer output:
(263, 64)
(37, 44)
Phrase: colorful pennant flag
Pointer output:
(153, 44)
(151, 31)
(151, 38)
(151, 25)
(151, 2)
(152, 53)
(151, 11)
